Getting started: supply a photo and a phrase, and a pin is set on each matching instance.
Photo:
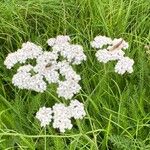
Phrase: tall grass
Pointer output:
(118, 116)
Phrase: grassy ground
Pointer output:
(118, 116)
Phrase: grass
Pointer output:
(118, 116)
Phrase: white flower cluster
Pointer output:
(59, 40)
(44, 115)
(73, 53)
(50, 66)
(25, 80)
(123, 65)
(70, 86)
(77, 109)
(113, 50)
(61, 115)
(28, 51)
(100, 41)
(61, 118)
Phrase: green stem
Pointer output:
(45, 139)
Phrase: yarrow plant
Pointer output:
(56, 66)
(51, 67)
(61, 115)
(109, 50)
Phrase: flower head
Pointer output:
(100, 41)
(25, 80)
(49, 67)
(113, 50)
(105, 55)
(28, 51)
(59, 40)
(118, 44)
(124, 65)
(61, 117)
(44, 115)
(68, 88)
(77, 109)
